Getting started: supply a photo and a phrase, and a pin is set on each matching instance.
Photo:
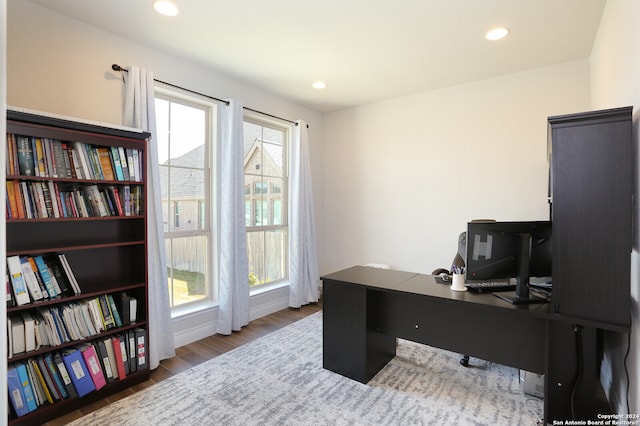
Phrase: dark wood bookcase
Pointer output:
(592, 183)
(107, 253)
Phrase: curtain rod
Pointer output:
(117, 67)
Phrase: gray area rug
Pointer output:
(279, 380)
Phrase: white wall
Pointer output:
(404, 176)
(3, 150)
(615, 81)
(59, 65)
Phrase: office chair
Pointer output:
(458, 261)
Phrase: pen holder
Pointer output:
(457, 283)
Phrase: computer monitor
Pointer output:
(504, 250)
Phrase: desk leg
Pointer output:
(561, 401)
(350, 348)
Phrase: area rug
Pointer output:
(279, 380)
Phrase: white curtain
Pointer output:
(233, 262)
(139, 112)
(304, 278)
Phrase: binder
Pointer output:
(103, 356)
(20, 293)
(65, 376)
(112, 357)
(141, 348)
(77, 369)
(48, 378)
(16, 394)
(132, 350)
(120, 358)
(55, 375)
(93, 365)
(29, 331)
(27, 390)
(17, 334)
(39, 382)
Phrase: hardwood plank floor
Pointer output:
(197, 352)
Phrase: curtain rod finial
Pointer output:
(116, 67)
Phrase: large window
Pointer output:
(265, 180)
(184, 143)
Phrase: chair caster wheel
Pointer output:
(464, 361)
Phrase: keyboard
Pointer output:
(489, 286)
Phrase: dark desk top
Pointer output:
(426, 285)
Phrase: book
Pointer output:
(94, 367)
(105, 311)
(9, 297)
(69, 272)
(44, 274)
(9, 339)
(117, 165)
(114, 310)
(16, 394)
(20, 292)
(105, 163)
(25, 155)
(30, 279)
(36, 273)
(78, 372)
(60, 275)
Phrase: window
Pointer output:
(184, 145)
(265, 179)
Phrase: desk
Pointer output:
(366, 309)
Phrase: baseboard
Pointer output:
(199, 325)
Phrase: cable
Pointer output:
(577, 329)
(626, 369)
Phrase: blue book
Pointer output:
(27, 390)
(16, 395)
(78, 372)
(46, 277)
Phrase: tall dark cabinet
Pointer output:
(591, 183)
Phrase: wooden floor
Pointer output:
(194, 353)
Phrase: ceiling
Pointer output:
(365, 50)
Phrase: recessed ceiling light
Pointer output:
(319, 85)
(165, 7)
(496, 33)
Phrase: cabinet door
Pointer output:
(592, 208)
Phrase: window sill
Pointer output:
(193, 308)
(265, 288)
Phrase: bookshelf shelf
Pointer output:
(76, 203)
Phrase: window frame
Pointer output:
(259, 120)
(206, 215)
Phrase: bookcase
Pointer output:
(75, 208)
